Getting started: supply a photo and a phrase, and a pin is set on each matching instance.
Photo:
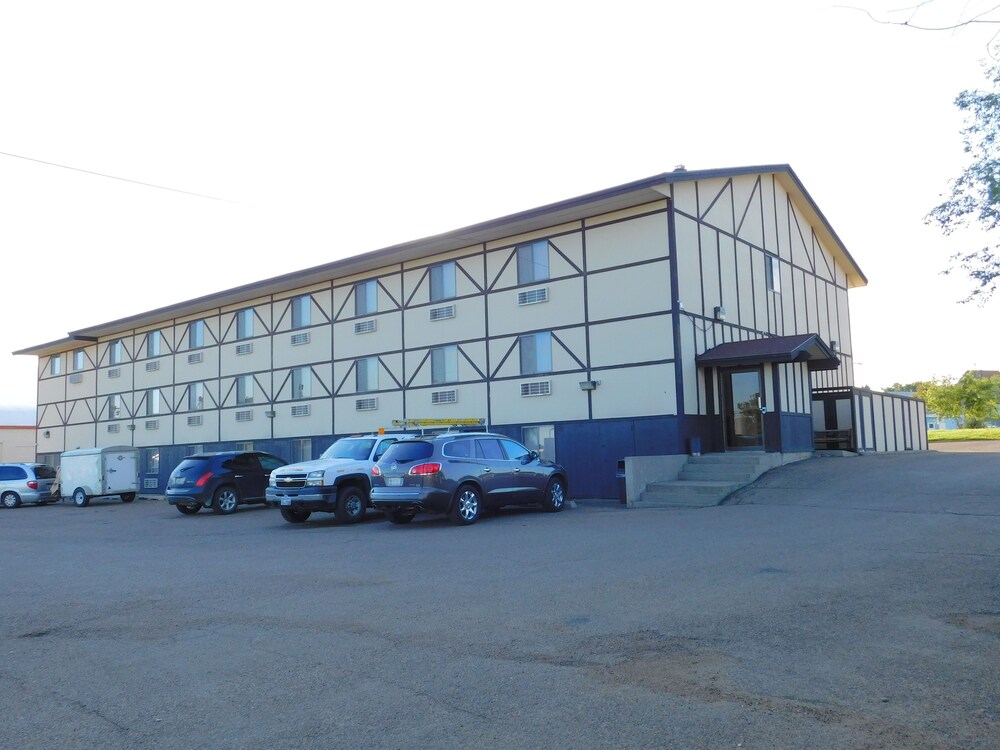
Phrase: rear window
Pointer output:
(45, 471)
(191, 464)
(406, 451)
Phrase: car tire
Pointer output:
(10, 500)
(466, 506)
(225, 500)
(295, 516)
(80, 499)
(188, 510)
(128, 497)
(554, 499)
(351, 504)
(399, 517)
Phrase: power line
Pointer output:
(113, 177)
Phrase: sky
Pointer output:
(204, 145)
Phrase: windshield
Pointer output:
(355, 448)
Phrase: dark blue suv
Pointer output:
(222, 481)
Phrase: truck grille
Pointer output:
(290, 480)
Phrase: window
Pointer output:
(152, 402)
(244, 323)
(366, 298)
(444, 364)
(536, 353)
(115, 352)
(515, 451)
(443, 281)
(153, 342)
(78, 360)
(301, 450)
(151, 461)
(244, 461)
(196, 396)
(196, 334)
(301, 382)
(367, 374)
(533, 262)
(115, 406)
(270, 463)
(542, 439)
(301, 308)
(772, 273)
(55, 365)
(244, 389)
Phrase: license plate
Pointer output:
(286, 501)
(393, 481)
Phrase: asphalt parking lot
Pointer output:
(835, 603)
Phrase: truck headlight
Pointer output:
(315, 478)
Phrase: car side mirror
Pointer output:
(533, 456)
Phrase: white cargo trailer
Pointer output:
(98, 472)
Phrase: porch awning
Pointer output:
(806, 347)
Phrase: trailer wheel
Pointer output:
(80, 499)
(128, 497)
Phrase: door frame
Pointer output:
(727, 407)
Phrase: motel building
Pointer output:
(690, 312)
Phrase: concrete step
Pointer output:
(731, 459)
(720, 472)
(686, 494)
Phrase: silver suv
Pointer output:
(26, 483)
(461, 474)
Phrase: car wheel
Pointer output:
(80, 499)
(128, 497)
(225, 500)
(351, 503)
(465, 509)
(399, 517)
(555, 496)
(188, 510)
(10, 500)
(295, 516)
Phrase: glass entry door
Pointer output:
(741, 402)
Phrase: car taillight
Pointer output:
(376, 471)
(32, 484)
(424, 469)
(202, 479)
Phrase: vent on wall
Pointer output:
(536, 388)
(114, 428)
(365, 326)
(300, 338)
(366, 404)
(76, 378)
(444, 397)
(115, 372)
(442, 313)
(194, 421)
(195, 358)
(150, 483)
(533, 296)
(152, 424)
(244, 349)
(244, 415)
(302, 410)
(152, 366)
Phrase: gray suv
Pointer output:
(26, 483)
(462, 474)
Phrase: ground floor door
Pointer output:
(741, 390)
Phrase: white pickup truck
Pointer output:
(337, 482)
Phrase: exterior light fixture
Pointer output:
(270, 414)
(720, 312)
(589, 385)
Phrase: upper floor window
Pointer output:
(536, 353)
(443, 281)
(152, 402)
(78, 359)
(55, 365)
(367, 374)
(533, 262)
(444, 364)
(154, 340)
(196, 396)
(301, 309)
(772, 273)
(196, 334)
(116, 350)
(301, 382)
(366, 298)
(244, 323)
(244, 389)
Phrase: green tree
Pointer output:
(970, 401)
(904, 387)
(975, 194)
